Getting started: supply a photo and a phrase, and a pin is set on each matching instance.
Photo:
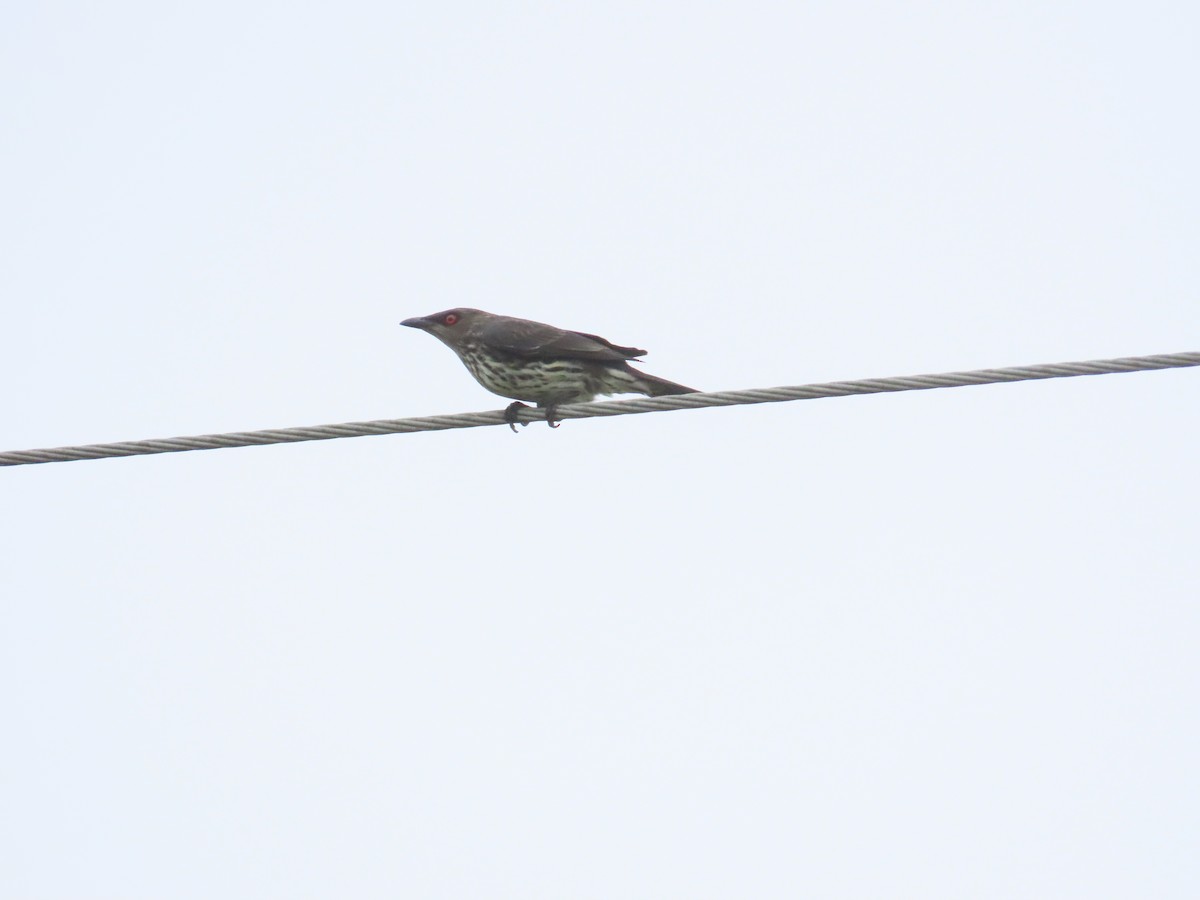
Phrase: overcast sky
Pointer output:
(938, 644)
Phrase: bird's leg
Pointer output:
(550, 410)
(510, 415)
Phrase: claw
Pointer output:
(510, 415)
(550, 420)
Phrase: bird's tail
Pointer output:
(654, 386)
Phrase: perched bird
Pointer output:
(525, 360)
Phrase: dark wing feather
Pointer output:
(533, 340)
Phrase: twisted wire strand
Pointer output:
(605, 408)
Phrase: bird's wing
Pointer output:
(533, 340)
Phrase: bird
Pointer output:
(524, 360)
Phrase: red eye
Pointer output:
(450, 319)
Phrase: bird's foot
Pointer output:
(510, 415)
(550, 420)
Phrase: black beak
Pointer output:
(419, 322)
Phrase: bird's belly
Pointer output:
(539, 381)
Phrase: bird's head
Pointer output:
(449, 326)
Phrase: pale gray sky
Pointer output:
(923, 645)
